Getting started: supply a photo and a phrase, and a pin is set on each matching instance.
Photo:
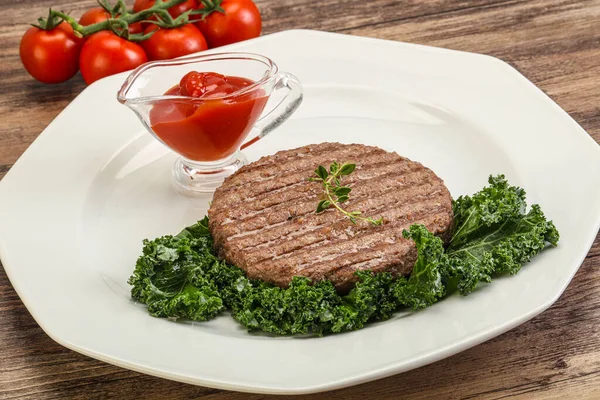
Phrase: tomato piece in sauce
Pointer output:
(213, 121)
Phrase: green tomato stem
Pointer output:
(122, 22)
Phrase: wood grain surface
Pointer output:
(556, 44)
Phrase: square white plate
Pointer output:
(75, 208)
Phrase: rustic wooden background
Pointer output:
(555, 43)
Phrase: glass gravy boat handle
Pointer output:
(282, 111)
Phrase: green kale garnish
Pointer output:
(180, 277)
(424, 285)
(474, 215)
(299, 309)
(199, 229)
(171, 278)
(494, 235)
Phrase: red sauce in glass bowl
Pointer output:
(213, 122)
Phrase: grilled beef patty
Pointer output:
(263, 217)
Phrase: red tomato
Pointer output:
(51, 56)
(105, 53)
(241, 21)
(99, 14)
(93, 16)
(174, 42)
(175, 11)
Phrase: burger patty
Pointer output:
(263, 217)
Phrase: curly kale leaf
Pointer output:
(170, 277)
(312, 308)
(494, 235)
(424, 286)
(371, 299)
(494, 204)
(199, 229)
(299, 309)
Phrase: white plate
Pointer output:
(76, 206)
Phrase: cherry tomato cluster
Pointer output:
(107, 40)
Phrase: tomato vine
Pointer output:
(120, 19)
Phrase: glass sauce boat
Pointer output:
(209, 132)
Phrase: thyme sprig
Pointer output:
(335, 193)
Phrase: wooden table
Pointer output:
(556, 44)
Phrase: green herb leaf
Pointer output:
(334, 167)
(378, 222)
(323, 205)
(321, 172)
(342, 191)
(347, 169)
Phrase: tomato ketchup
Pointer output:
(214, 121)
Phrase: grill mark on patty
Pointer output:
(267, 162)
(287, 247)
(363, 203)
(247, 175)
(370, 246)
(335, 222)
(382, 249)
(385, 255)
(340, 231)
(365, 242)
(398, 262)
(292, 170)
(310, 190)
(302, 208)
(293, 179)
